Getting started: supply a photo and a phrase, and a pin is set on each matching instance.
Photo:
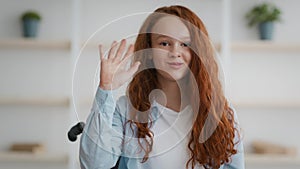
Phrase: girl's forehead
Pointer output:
(171, 26)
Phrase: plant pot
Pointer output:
(266, 30)
(30, 27)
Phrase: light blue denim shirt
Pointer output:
(106, 137)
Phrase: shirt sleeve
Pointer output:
(101, 140)
(238, 159)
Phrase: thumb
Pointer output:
(134, 68)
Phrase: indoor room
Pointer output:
(52, 72)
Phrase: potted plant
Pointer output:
(264, 15)
(30, 22)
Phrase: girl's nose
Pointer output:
(175, 50)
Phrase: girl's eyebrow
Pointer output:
(164, 36)
(161, 36)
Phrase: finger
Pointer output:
(128, 53)
(112, 50)
(134, 68)
(120, 50)
(101, 52)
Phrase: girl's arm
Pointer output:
(237, 160)
(101, 140)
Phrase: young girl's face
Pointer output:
(170, 43)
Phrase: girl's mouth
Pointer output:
(175, 65)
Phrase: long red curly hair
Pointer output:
(220, 146)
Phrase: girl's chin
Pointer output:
(171, 77)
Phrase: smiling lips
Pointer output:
(175, 65)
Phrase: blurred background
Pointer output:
(38, 71)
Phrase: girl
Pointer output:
(174, 114)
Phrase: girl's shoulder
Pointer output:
(122, 102)
(122, 108)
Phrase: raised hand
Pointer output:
(113, 72)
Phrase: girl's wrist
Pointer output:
(107, 86)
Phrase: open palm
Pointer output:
(113, 71)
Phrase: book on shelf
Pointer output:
(264, 147)
(27, 147)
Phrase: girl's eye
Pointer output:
(186, 44)
(164, 44)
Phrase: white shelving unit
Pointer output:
(246, 46)
(38, 46)
(59, 102)
(271, 159)
(267, 104)
(72, 45)
(33, 157)
(42, 44)
(256, 51)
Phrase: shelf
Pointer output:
(269, 104)
(35, 101)
(33, 157)
(65, 44)
(271, 159)
(35, 44)
(61, 158)
(265, 45)
(54, 44)
(94, 45)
